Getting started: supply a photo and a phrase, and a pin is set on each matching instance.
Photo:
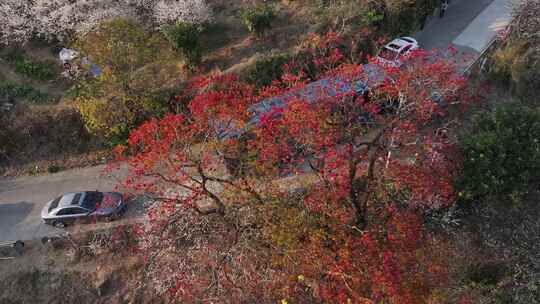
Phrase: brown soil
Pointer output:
(231, 48)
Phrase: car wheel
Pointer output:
(18, 246)
(59, 224)
(109, 218)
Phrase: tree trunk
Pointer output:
(358, 196)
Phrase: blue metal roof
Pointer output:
(310, 93)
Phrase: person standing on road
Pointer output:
(444, 7)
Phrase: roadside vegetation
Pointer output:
(498, 182)
(421, 190)
(516, 63)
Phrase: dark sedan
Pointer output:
(83, 206)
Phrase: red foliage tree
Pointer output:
(182, 152)
(373, 156)
(370, 148)
(394, 261)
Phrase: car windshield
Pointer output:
(54, 204)
(90, 200)
(388, 54)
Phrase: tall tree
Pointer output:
(368, 148)
(372, 159)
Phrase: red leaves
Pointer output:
(324, 129)
(391, 262)
(356, 153)
(400, 272)
(220, 96)
(428, 177)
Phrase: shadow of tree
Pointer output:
(13, 214)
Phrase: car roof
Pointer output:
(71, 199)
(409, 40)
(399, 43)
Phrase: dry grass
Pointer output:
(55, 274)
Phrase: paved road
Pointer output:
(485, 26)
(22, 199)
(467, 25)
(439, 33)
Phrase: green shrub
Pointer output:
(137, 66)
(184, 38)
(34, 70)
(371, 17)
(504, 60)
(54, 169)
(400, 17)
(12, 91)
(516, 66)
(119, 135)
(258, 19)
(9, 91)
(400, 22)
(526, 77)
(489, 273)
(501, 155)
(266, 70)
(37, 71)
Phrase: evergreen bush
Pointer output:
(258, 19)
(184, 38)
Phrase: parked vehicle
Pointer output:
(15, 246)
(396, 52)
(83, 206)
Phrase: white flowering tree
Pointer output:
(16, 23)
(59, 19)
(194, 11)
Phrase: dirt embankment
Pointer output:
(67, 271)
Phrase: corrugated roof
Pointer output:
(326, 87)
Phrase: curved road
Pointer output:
(22, 199)
(468, 25)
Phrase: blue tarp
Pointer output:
(95, 70)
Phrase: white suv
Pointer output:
(396, 51)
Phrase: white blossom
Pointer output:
(171, 11)
(16, 22)
(21, 19)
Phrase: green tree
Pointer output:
(136, 66)
(501, 155)
(184, 37)
(258, 19)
